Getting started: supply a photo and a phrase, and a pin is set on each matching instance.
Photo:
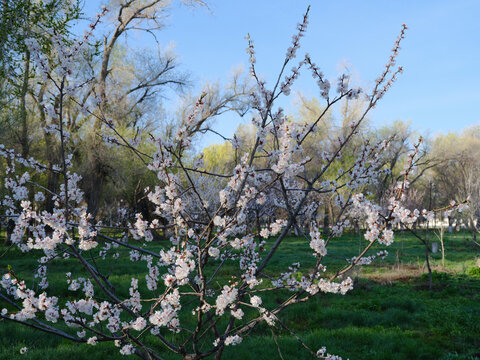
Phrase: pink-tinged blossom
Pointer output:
(386, 238)
(322, 354)
(213, 252)
(127, 349)
(227, 297)
(256, 301)
(233, 340)
(238, 314)
(139, 324)
(264, 233)
(317, 243)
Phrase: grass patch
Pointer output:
(389, 315)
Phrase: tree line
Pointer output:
(129, 86)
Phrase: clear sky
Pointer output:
(438, 91)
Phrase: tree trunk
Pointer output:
(51, 154)
(94, 186)
(52, 184)
(443, 250)
(24, 141)
(257, 222)
(326, 221)
(430, 285)
(218, 354)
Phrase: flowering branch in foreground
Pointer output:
(189, 275)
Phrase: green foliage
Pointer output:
(474, 272)
(219, 157)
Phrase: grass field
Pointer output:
(389, 315)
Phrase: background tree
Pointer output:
(457, 173)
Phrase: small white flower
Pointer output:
(139, 324)
(256, 301)
(238, 314)
(214, 252)
(233, 340)
(127, 350)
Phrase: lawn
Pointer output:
(389, 315)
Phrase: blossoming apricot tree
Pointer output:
(207, 281)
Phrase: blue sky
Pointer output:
(438, 91)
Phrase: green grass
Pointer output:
(389, 315)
